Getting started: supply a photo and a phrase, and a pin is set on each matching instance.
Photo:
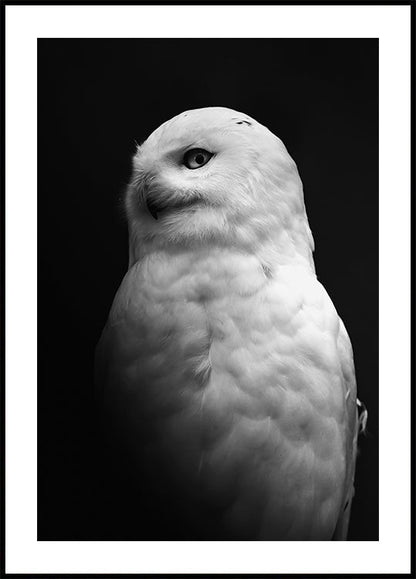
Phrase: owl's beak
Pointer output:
(152, 207)
(156, 206)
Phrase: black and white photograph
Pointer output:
(225, 378)
(209, 307)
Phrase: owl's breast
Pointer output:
(231, 382)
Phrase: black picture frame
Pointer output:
(110, 291)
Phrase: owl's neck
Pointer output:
(293, 246)
(289, 246)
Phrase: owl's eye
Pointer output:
(196, 158)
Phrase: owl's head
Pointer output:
(214, 175)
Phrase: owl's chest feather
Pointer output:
(220, 318)
(234, 377)
(221, 306)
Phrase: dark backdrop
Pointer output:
(95, 98)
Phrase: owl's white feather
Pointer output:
(226, 370)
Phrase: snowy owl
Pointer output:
(226, 374)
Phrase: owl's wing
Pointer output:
(348, 371)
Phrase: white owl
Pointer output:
(225, 370)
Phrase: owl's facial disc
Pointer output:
(193, 159)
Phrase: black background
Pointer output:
(95, 98)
